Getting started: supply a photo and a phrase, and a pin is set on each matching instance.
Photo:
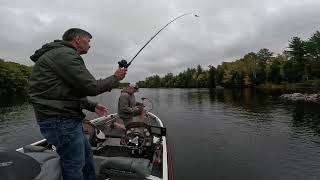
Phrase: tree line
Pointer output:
(299, 64)
(13, 78)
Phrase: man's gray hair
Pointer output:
(70, 34)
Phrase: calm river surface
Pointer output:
(221, 134)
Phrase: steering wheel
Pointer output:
(137, 135)
(134, 140)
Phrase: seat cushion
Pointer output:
(126, 166)
(49, 161)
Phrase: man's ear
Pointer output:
(77, 39)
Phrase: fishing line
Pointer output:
(124, 64)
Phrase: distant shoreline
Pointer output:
(305, 87)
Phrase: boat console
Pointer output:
(142, 139)
(136, 152)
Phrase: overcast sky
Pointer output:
(226, 30)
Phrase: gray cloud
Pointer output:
(225, 30)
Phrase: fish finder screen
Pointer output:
(158, 130)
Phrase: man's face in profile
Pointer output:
(83, 44)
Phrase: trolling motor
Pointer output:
(124, 64)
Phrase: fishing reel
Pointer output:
(124, 64)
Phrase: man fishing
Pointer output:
(59, 86)
(128, 107)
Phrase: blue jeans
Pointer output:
(75, 151)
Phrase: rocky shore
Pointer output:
(301, 97)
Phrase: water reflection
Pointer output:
(226, 134)
(170, 97)
(264, 106)
(306, 116)
(248, 99)
(18, 126)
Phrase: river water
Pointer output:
(220, 134)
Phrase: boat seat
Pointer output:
(125, 167)
(49, 161)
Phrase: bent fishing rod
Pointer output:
(124, 64)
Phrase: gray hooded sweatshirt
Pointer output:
(127, 106)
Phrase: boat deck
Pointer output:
(112, 148)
